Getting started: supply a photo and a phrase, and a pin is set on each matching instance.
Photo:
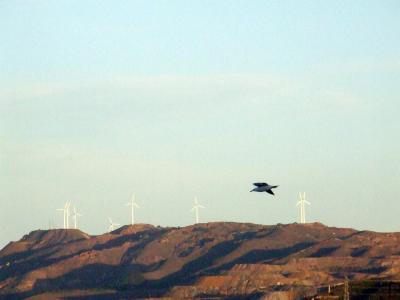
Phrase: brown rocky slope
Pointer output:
(218, 260)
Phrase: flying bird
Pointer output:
(264, 187)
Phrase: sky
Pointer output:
(170, 100)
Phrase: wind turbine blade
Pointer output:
(201, 206)
(109, 220)
(136, 205)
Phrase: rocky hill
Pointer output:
(212, 260)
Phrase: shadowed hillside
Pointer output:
(219, 260)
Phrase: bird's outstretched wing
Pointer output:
(260, 184)
(270, 192)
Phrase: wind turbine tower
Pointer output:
(133, 205)
(68, 204)
(196, 209)
(65, 211)
(75, 217)
(302, 202)
(112, 225)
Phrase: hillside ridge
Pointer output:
(220, 259)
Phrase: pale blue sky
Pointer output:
(176, 99)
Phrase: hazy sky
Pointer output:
(175, 99)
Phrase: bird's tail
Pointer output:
(274, 186)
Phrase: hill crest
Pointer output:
(210, 258)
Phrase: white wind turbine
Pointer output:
(133, 204)
(75, 217)
(112, 224)
(302, 202)
(195, 208)
(65, 211)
